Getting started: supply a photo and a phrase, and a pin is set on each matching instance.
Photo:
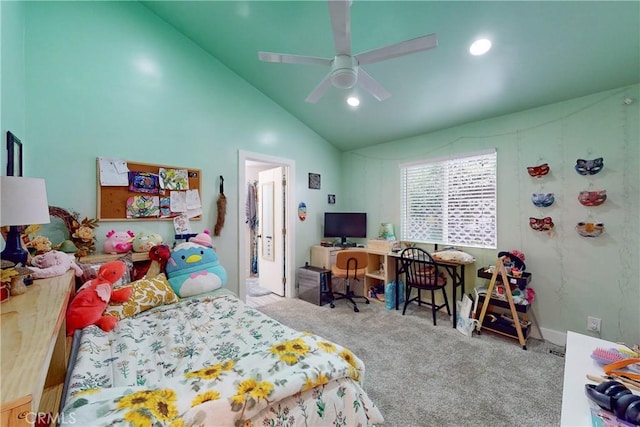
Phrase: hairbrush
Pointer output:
(605, 356)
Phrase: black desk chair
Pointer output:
(350, 265)
(422, 273)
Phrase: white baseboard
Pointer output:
(554, 337)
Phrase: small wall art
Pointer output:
(541, 224)
(589, 167)
(14, 155)
(542, 200)
(592, 198)
(302, 211)
(589, 229)
(538, 171)
(331, 199)
(314, 181)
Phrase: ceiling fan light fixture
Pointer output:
(353, 101)
(344, 78)
(343, 74)
(480, 47)
(345, 68)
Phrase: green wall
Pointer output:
(573, 276)
(87, 79)
(111, 79)
(12, 99)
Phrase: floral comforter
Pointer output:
(213, 361)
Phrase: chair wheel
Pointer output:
(332, 305)
(366, 301)
(356, 309)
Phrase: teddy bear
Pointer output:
(143, 242)
(53, 263)
(118, 242)
(88, 306)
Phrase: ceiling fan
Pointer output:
(346, 70)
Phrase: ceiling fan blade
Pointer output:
(292, 59)
(319, 90)
(398, 49)
(339, 10)
(372, 86)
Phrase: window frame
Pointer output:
(454, 200)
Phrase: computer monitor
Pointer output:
(345, 225)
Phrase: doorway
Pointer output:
(251, 239)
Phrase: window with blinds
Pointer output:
(450, 201)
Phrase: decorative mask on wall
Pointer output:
(542, 200)
(541, 224)
(538, 171)
(590, 229)
(589, 167)
(302, 211)
(592, 198)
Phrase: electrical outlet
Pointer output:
(593, 324)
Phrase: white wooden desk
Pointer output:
(577, 364)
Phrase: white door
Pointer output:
(271, 225)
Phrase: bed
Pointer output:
(210, 360)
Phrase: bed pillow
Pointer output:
(147, 293)
(454, 256)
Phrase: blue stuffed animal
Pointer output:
(194, 269)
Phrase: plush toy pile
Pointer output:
(191, 268)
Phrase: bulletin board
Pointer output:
(112, 199)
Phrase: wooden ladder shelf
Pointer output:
(500, 270)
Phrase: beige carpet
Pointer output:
(421, 375)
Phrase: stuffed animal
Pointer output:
(143, 242)
(159, 255)
(118, 242)
(194, 269)
(88, 306)
(53, 263)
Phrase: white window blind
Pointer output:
(450, 201)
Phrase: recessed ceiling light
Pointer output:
(353, 101)
(480, 47)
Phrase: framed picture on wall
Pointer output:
(14, 155)
(314, 181)
(331, 199)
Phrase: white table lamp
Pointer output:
(386, 231)
(24, 202)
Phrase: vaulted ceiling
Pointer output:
(542, 52)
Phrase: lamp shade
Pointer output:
(24, 201)
(386, 231)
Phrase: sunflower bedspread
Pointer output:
(213, 361)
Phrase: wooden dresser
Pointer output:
(34, 351)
